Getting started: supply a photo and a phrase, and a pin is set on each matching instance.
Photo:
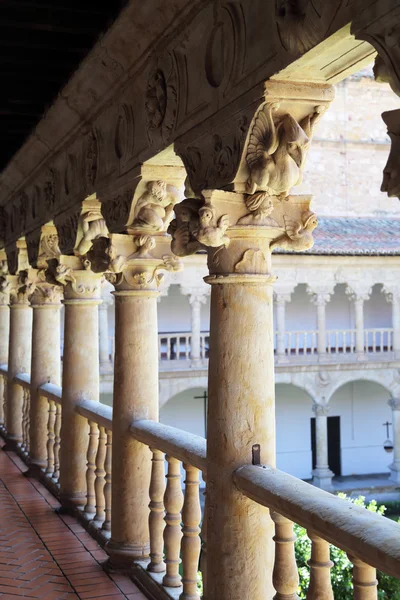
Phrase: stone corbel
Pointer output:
(146, 203)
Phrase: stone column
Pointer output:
(4, 340)
(320, 300)
(80, 378)
(135, 390)
(322, 475)
(19, 354)
(197, 297)
(104, 353)
(394, 404)
(393, 296)
(359, 297)
(45, 364)
(280, 303)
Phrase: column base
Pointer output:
(121, 556)
(35, 468)
(71, 503)
(322, 478)
(395, 473)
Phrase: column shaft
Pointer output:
(359, 313)
(80, 381)
(19, 361)
(4, 342)
(321, 323)
(103, 335)
(280, 327)
(135, 397)
(196, 328)
(45, 366)
(394, 404)
(241, 412)
(322, 475)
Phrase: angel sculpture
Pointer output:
(298, 236)
(276, 152)
(210, 232)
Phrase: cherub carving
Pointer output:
(260, 206)
(210, 232)
(277, 151)
(154, 209)
(298, 236)
(93, 227)
(182, 228)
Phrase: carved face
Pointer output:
(158, 190)
(295, 140)
(206, 216)
(184, 215)
(311, 223)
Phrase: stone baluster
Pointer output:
(320, 587)
(281, 299)
(108, 481)
(156, 517)
(100, 474)
(90, 506)
(322, 475)
(57, 443)
(4, 332)
(394, 404)
(364, 580)
(285, 576)
(173, 502)
(25, 421)
(359, 295)
(19, 352)
(80, 377)
(191, 543)
(50, 437)
(45, 365)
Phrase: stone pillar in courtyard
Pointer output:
(320, 297)
(45, 301)
(282, 295)
(80, 377)
(393, 297)
(394, 404)
(104, 346)
(135, 264)
(19, 353)
(322, 475)
(359, 293)
(239, 229)
(197, 297)
(4, 332)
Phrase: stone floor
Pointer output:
(44, 555)
(373, 486)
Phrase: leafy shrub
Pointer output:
(341, 573)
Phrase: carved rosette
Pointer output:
(161, 99)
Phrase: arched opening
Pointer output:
(377, 321)
(187, 411)
(362, 407)
(293, 433)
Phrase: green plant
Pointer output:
(341, 573)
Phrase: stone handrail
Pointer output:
(370, 537)
(184, 446)
(23, 379)
(378, 339)
(96, 412)
(51, 392)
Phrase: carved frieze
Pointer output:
(161, 99)
(91, 160)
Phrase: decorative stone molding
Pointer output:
(320, 410)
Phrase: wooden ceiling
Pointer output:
(42, 43)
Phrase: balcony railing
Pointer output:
(177, 526)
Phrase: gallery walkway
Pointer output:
(44, 555)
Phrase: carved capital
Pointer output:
(136, 262)
(282, 298)
(394, 403)
(21, 287)
(358, 292)
(44, 293)
(75, 277)
(320, 410)
(318, 297)
(196, 295)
